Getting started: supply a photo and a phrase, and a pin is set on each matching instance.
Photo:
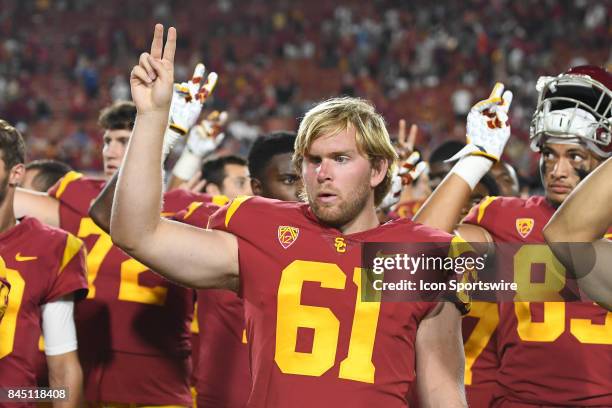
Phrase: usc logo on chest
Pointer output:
(340, 245)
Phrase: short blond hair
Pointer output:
(337, 114)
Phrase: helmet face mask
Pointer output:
(575, 105)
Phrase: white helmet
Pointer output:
(575, 106)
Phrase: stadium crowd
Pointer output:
(422, 60)
(182, 235)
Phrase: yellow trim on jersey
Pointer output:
(192, 207)
(194, 397)
(459, 246)
(195, 325)
(73, 246)
(483, 207)
(244, 337)
(67, 179)
(219, 200)
(608, 236)
(236, 202)
(4, 289)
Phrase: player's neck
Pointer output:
(366, 220)
(7, 214)
(553, 204)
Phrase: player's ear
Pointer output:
(256, 186)
(212, 189)
(16, 175)
(378, 171)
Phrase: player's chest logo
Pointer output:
(340, 245)
(524, 226)
(287, 235)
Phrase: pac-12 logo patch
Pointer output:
(524, 226)
(287, 235)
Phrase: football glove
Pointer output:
(187, 101)
(406, 173)
(203, 140)
(208, 135)
(488, 130)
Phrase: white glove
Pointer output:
(412, 168)
(203, 140)
(208, 135)
(487, 134)
(187, 102)
(394, 193)
(487, 126)
(405, 174)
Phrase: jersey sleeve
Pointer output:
(75, 191)
(178, 199)
(231, 217)
(196, 214)
(235, 218)
(443, 245)
(483, 213)
(462, 299)
(71, 272)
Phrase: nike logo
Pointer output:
(20, 258)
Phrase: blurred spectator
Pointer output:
(120, 89)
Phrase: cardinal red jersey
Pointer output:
(313, 341)
(550, 353)
(222, 375)
(42, 264)
(134, 325)
(5, 289)
(178, 200)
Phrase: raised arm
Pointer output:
(38, 205)
(487, 134)
(442, 209)
(575, 234)
(440, 360)
(184, 254)
(572, 222)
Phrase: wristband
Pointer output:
(187, 165)
(471, 169)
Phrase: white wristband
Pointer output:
(187, 165)
(472, 168)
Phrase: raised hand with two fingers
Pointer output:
(409, 168)
(151, 80)
(188, 99)
(406, 141)
(488, 129)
